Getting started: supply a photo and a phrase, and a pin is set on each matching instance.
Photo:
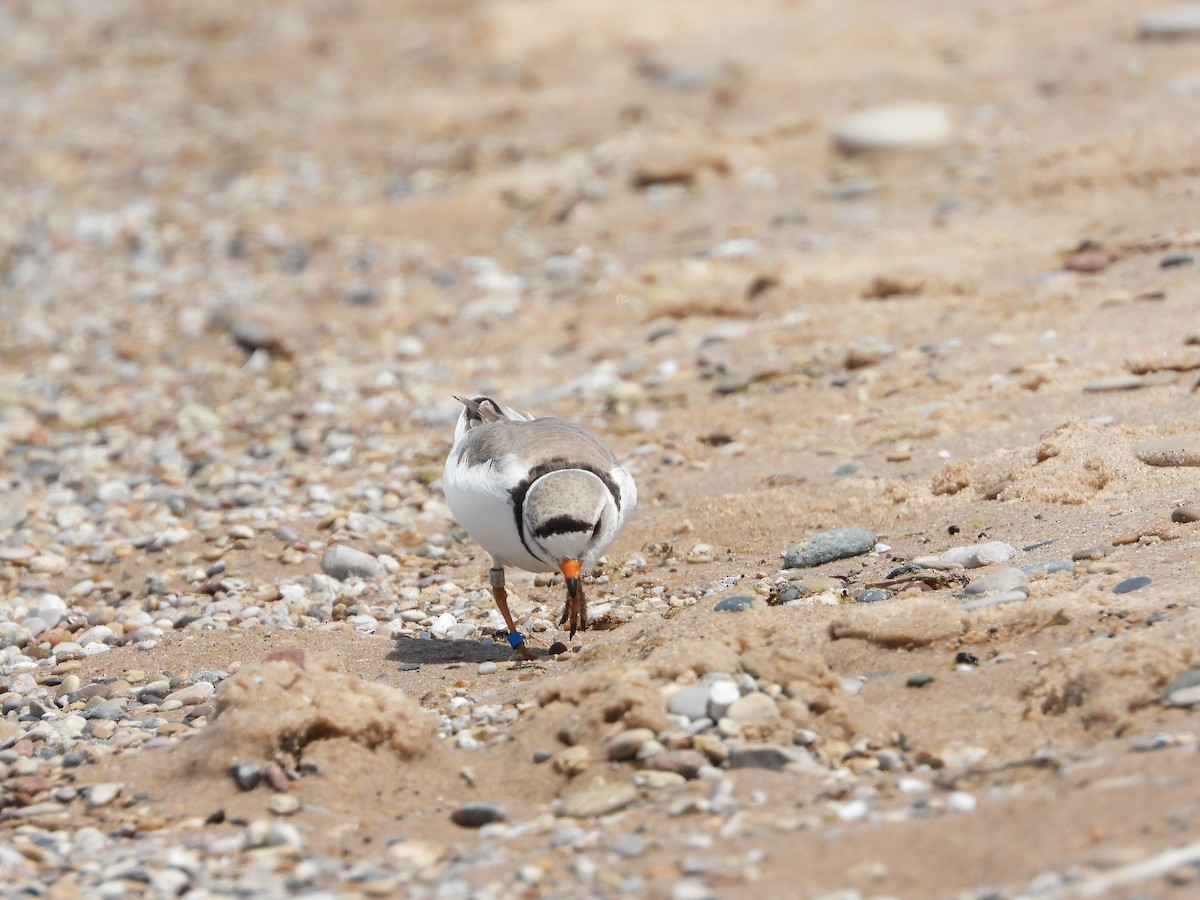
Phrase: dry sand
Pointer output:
(782, 338)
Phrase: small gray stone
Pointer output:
(976, 556)
(691, 702)
(284, 804)
(872, 595)
(1185, 514)
(486, 668)
(629, 846)
(1185, 679)
(342, 562)
(246, 774)
(626, 744)
(734, 604)
(1188, 696)
(1132, 584)
(1171, 22)
(827, 546)
(103, 794)
(476, 815)
(1002, 579)
(1115, 383)
(192, 694)
(1181, 450)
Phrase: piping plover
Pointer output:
(539, 494)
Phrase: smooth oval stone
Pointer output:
(599, 801)
(1181, 450)
(754, 709)
(1188, 696)
(1185, 514)
(1132, 584)
(827, 546)
(691, 702)
(1051, 567)
(897, 126)
(476, 815)
(342, 562)
(1189, 678)
(626, 744)
(1172, 22)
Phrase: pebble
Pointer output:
(918, 681)
(1181, 450)
(872, 595)
(476, 815)
(284, 804)
(691, 702)
(600, 800)
(1185, 696)
(1050, 567)
(247, 774)
(754, 709)
(1132, 584)
(1171, 23)
(1115, 383)
(626, 744)
(734, 604)
(1185, 515)
(1171, 260)
(342, 562)
(898, 126)
(103, 794)
(976, 556)
(1002, 579)
(192, 694)
(486, 668)
(827, 546)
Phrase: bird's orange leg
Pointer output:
(515, 639)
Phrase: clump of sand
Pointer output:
(276, 709)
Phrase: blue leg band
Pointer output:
(515, 639)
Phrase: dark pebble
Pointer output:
(215, 569)
(872, 595)
(215, 818)
(409, 667)
(308, 768)
(918, 681)
(1132, 584)
(247, 775)
(1038, 545)
(71, 760)
(541, 756)
(558, 647)
(476, 815)
(1185, 514)
(963, 658)
(1175, 259)
(734, 604)
(845, 469)
(787, 595)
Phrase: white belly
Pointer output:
(481, 503)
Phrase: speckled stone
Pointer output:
(827, 546)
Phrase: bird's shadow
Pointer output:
(418, 651)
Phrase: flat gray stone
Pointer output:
(1181, 450)
(626, 744)
(1115, 383)
(691, 702)
(976, 556)
(1171, 22)
(1188, 696)
(827, 546)
(1005, 578)
(342, 562)
(599, 801)
(897, 126)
